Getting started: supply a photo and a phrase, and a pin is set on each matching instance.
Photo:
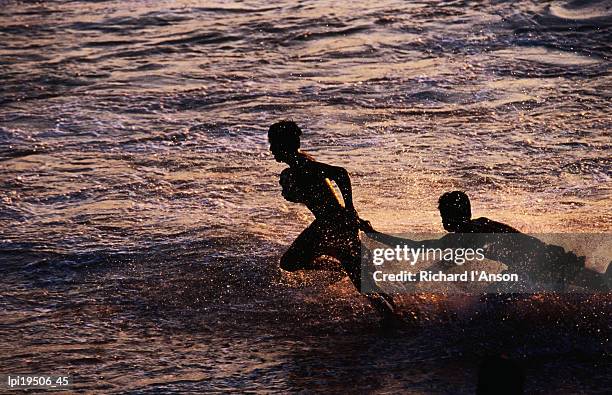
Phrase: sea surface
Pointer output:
(141, 220)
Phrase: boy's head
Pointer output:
(454, 209)
(284, 138)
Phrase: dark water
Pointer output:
(141, 221)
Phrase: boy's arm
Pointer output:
(341, 177)
(394, 240)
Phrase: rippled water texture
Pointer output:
(141, 220)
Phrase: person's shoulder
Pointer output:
(311, 164)
(306, 163)
(305, 157)
(486, 225)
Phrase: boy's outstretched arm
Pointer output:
(391, 240)
(399, 241)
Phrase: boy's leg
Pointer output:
(316, 240)
(382, 302)
(592, 280)
(300, 254)
(572, 271)
(342, 244)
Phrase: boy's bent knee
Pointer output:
(289, 264)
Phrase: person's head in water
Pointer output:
(284, 138)
(454, 209)
(291, 190)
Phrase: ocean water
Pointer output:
(141, 220)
